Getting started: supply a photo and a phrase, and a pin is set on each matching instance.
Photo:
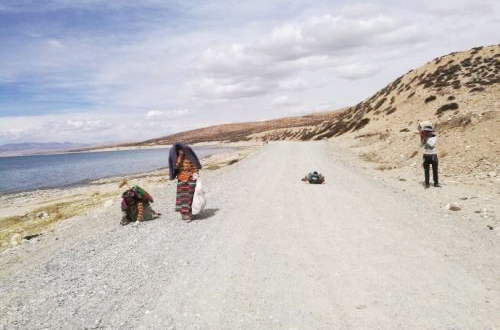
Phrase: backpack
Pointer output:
(315, 178)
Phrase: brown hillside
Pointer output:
(241, 131)
(448, 86)
(459, 93)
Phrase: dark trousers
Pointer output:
(431, 160)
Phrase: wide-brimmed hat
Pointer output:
(425, 126)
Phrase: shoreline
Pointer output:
(222, 148)
(33, 212)
(211, 144)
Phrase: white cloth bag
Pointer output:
(199, 198)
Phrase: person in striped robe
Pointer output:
(186, 166)
(136, 205)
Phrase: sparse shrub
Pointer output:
(466, 62)
(430, 99)
(379, 103)
(390, 110)
(370, 156)
(361, 124)
(447, 107)
(385, 167)
(477, 89)
(383, 136)
(457, 121)
(58, 215)
(366, 135)
(451, 98)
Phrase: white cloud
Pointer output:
(222, 68)
(283, 101)
(55, 43)
(87, 128)
(357, 70)
(79, 125)
(210, 88)
(292, 84)
(154, 113)
(460, 7)
(276, 61)
(167, 114)
(359, 9)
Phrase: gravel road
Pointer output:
(270, 252)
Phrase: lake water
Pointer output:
(37, 172)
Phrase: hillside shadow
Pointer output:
(205, 214)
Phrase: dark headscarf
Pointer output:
(188, 152)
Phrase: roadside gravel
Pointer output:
(270, 252)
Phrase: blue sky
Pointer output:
(107, 71)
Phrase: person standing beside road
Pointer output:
(183, 164)
(428, 142)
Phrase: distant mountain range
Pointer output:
(30, 148)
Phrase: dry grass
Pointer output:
(212, 167)
(380, 135)
(216, 166)
(385, 167)
(42, 218)
(370, 156)
(460, 121)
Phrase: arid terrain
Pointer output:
(369, 249)
(459, 93)
(362, 251)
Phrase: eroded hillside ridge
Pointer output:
(452, 91)
(449, 84)
(240, 131)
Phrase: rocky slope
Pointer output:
(459, 93)
(450, 91)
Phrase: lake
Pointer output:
(25, 173)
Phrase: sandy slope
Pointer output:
(270, 253)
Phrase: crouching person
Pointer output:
(136, 206)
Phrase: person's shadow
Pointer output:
(205, 214)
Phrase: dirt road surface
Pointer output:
(270, 252)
